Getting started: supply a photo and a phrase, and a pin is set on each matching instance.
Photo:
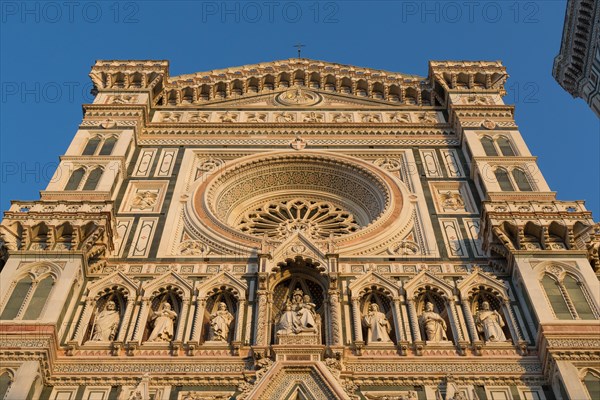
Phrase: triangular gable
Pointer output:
(170, 278)
(224, 279)
(424, 280)
(117, 278)
(284, 378)
(478, 279)
(299, 245)
(290, 65)
(358, 286)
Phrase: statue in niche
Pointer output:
(378, 326)
(220, 322)
(433, 325)
(489, 322)
(298, 316)
(106, 323)
(163, 324)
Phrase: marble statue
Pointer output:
(377, 324)
(433, 325)
(299, 315)
(164, 321)
(106, 323)
(220, 322)
(489, 322)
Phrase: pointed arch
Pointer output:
(522, 180)
(222, 282)
(93, 178)
(108, 146)
(92, 145)
(479, 280)
(505, 146)
(75, 179)
(503, 180)
(373, 282)
(426, 281)
(488, 146)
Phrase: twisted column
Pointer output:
(400, 336)
(126, 319)
(336, 320)
(181, 318)
(414, 320)
(141, 320)
(83, 320)
(470, 321)
(198, 318)
(261, 326)
(358, 337)
(512, 320)
(239, 317)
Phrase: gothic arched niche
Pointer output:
(292, 290)
(494, 305)
(439, 331)
(384, 305)
(165, 300)
(106, 320)
(212, 306)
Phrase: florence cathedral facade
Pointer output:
(299, 229)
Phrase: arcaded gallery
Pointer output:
(298, 230)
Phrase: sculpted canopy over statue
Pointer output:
(433, 325)
(298, 315)
(220, 322)
(106, 323)
(377, 324)
(163, 324)
(489, 322)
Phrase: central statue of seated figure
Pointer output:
(298, 316)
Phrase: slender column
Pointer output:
(470, 321)
(239, 319)
(261, 326)
(249, 313)
(182, 319)
(141, 320)
(512, 321)
(326, 322)
(414, 320)
(457, 323)
(400, 337)
(336, 320)
(451, 310)
(83, 320)
(126, 319)
(198, 319)
(358, 337)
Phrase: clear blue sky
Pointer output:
(47, 49)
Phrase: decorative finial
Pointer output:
(299, 46)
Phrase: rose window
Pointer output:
(315, 219)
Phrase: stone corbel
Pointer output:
(115, 348)
(359, 345)
(131, 347)
(176, 346)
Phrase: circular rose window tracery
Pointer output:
(312, 193)
(315, 219)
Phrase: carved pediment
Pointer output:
(118, 280)
(223, 281)
(425, 280)
(298, 245)
(373, 280)
(479, 279)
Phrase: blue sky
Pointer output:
(47, 49)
